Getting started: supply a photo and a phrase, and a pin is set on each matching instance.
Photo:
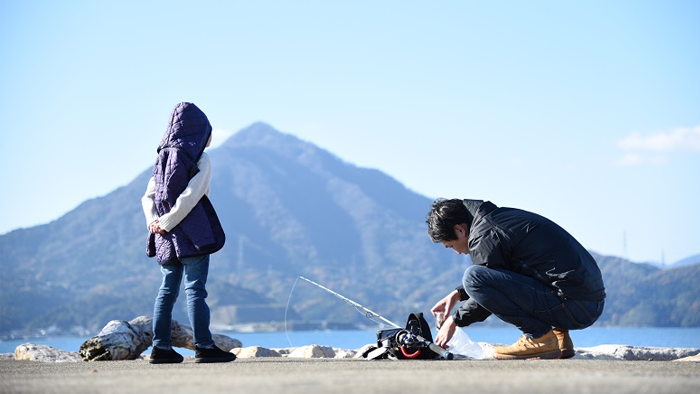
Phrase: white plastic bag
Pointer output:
(461, 344)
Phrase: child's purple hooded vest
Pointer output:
(182, 146)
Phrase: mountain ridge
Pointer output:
(288, 208)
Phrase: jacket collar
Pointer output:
(478, 208)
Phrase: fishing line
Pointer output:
(286, 333)
(359, 308)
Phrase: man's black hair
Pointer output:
(443, 216)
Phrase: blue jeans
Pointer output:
(526, 303)
(196, 270)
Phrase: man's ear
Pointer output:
(460, 229)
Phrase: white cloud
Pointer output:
(651, 149)
(682, 138)
(634, 159)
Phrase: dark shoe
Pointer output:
(566, 345)
(160, 356)
(213, 355)
(544, 347)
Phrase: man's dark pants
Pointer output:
(527, 303)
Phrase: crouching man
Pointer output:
(527, 270)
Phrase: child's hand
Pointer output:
(156, 228)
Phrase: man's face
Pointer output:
(459, 245)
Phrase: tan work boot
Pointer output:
(566, 345)
(546, 346)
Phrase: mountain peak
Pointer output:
(259, 128)
(258, 133)
(264, 136)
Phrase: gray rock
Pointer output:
(284, 351)
(634, 353)
(344, 353)
(255, 352)
(122, 340)
(44, 353)
(182, 337)
(312, 351)
(118, 340)
(695, 358)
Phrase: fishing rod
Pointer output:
(402, 337)
(368, 313)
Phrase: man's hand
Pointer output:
(446, 332)
(445, 305)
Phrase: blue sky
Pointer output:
(585, 112)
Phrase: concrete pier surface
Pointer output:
(346, 376)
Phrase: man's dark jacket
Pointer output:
(179, 151)
(530, 245)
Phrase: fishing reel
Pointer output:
(408, 344)
(413, 342)
(413, 345)
(399, 343)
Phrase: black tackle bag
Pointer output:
(409, 343)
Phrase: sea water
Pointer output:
(355, 339)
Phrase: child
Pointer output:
(183, 232)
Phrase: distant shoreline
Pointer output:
(673, 337)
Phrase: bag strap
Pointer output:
(422, 325)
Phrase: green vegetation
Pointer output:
(289, 209)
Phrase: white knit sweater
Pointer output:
(196, 188)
